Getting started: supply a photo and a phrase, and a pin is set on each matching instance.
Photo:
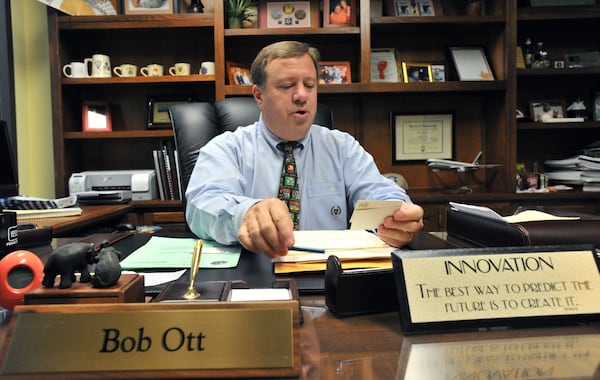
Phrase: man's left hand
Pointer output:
(400, 228)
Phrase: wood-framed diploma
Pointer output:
(419, 137)
(474, 288)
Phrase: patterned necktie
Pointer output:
(288, 183)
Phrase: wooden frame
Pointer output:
(416, 72)
(158, 111)
(421, 136)
(238, 74)
(339, 17)
(471, 64)
(557, 109)
(96, 116)
(335, 72)
(130, 8)
(288, 14)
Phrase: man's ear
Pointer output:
(257, 93)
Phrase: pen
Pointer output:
(306, 249)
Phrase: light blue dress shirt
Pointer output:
(237, 169)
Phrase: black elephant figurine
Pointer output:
(107, 270)
(66, 260)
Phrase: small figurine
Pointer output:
(65, 260)
(577, 109)
(108, 269)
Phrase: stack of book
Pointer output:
(166, 165)
(581, 170)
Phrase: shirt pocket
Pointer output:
(327, 202)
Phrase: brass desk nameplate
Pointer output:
(155, 340)
(499, 287)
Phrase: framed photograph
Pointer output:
(408, 8)
(339, 13)
(597, 106)
(158, 111)
(96, 117)
(334, 73)
(383, 66)
(405, 8)
(471, 64)
(147, 7)
(416, 72)
(421, 136)
(438, 73)
(545, 110)
(289, 14)
(238, 74)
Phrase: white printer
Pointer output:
(113, 186)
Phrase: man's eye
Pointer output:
(309, 84)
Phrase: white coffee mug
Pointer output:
(180, 68)
(100, 65)
(207, 68)
(125, 70)
(75, 70)
(152, 70)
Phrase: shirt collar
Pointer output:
(273, 140)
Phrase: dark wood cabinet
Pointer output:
(483, 111)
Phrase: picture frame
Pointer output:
(416, 72)
(339, 13)
(596, 106)
(238, 74)
(471, 64)
(158, 110)
(418, 137)
(438, 72)
(335, 72)
(384, 67)
(411, 8)
(131, 7)
(556, 109)
(96, 116)
(288, 14)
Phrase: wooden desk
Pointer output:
(373, 347)
(91, 216)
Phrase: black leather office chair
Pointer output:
(194, 124)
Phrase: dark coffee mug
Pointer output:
(8, 232)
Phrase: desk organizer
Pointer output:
(359, 291)
(129, 288)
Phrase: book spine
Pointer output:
(159, 174)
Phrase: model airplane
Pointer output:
(457, 166)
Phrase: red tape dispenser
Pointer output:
(20, 271)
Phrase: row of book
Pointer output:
(166, 164)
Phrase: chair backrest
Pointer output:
(194, 124)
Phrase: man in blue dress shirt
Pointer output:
(232, 193)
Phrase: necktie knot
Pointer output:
(288, 146)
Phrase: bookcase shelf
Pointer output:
(484, 112)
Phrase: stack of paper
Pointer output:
(356, 248)
(578, 170)
(521, 217)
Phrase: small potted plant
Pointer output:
(236, 11)
(474, 7)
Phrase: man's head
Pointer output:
(285, 87)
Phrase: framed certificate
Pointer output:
(419, 137)
(471, 64)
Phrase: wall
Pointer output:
(32, 98)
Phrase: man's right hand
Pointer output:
(268, 228)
